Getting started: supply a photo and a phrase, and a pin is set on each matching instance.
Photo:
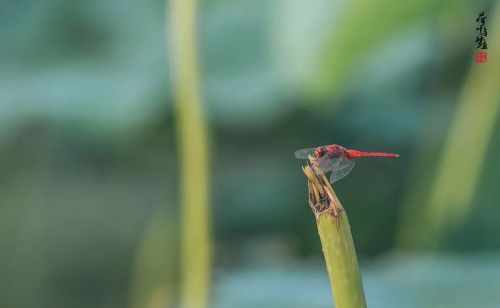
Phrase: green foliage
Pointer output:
(89, 150)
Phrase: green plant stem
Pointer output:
(196, 242)
(341, 261)
(336, 240)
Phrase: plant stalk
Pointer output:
(336, 240)
(196, 242)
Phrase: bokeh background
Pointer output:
(89, 159)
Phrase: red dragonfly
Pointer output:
(337, 159)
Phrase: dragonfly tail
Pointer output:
(356, 154)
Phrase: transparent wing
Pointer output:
(325, 164)
(341, 167)
(303, 153)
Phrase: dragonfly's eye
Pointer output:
(319, 152)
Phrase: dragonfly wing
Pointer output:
(325, 164)
(341, 167)
(303, 153)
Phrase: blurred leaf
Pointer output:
(83, 64)
(153, 284)
(391, 282)
(364, 27)
(450, 198)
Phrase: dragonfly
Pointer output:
(337, 159)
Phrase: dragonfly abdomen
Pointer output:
(355, 154)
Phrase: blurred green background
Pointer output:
(89, 160)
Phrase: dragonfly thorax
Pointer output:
(334, 151)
